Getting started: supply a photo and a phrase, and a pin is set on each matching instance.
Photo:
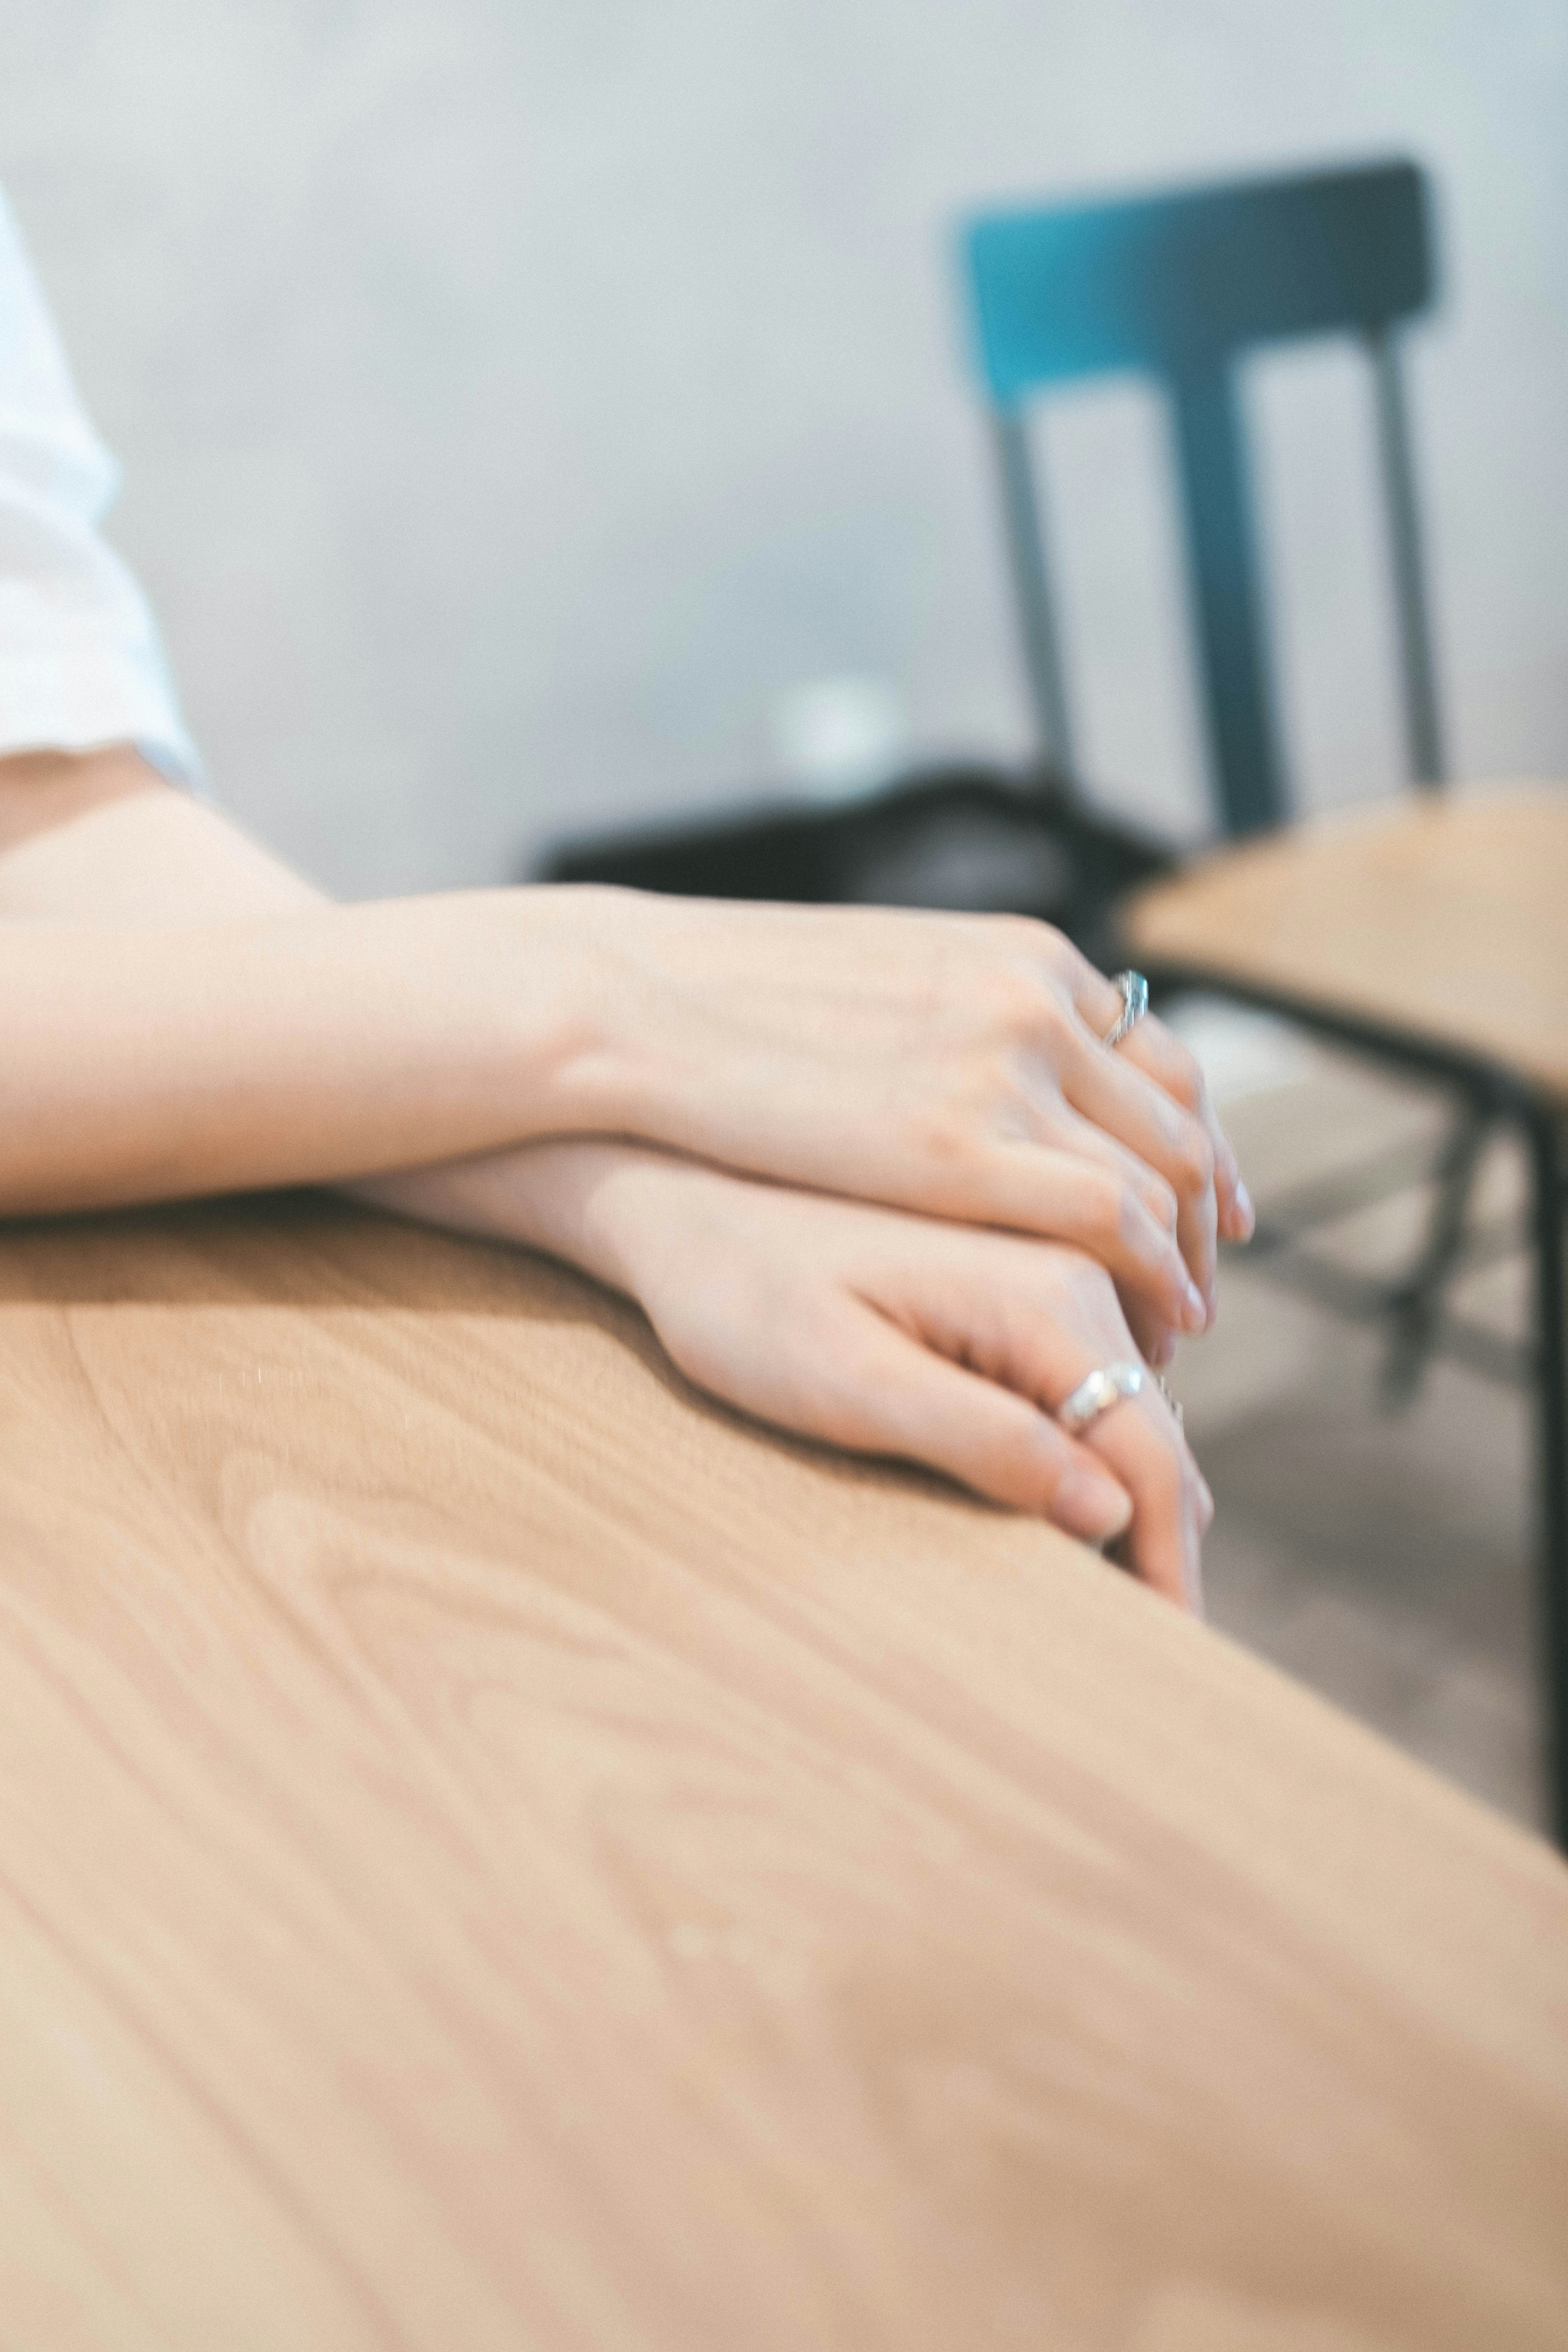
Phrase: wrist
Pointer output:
(605, 1207)
(577, 988)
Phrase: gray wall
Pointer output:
(515, 400)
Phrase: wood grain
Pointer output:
(1446, 918)
(496, 1853)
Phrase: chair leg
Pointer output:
(1552, 1394)
(1416, 1304)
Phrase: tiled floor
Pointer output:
(1383, 1558)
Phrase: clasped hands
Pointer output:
(873, 1175)
(889, 1189)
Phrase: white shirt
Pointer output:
(81, 660)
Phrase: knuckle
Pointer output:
(1016, 1005)
(1109, 1211)
(1165, 1480)
(1027, 935)
(846, 1390)
(860, 1388)
(1182, 1076)
(944, 1139)
(1090, 1287)
(1194, 1158)
(1003, 1458)
(1014, 934)
(1192, 1482)
(1049, 1478)
(1159, 1200)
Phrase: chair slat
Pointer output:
(1180, 287)
(1168, 284)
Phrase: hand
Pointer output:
(952, 1065)
(885, 1333)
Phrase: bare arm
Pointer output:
(947, 1064)
(184, 1014)
(887, 1333)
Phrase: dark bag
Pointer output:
(971, 838)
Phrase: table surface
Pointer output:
(499, 1853)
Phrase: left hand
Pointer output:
(887, 1334)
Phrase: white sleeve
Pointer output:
(80, 659)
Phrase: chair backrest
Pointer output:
(1179, 287)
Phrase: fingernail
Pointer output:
(1194, 1309)
(1091, 1506)
(1245, 1210)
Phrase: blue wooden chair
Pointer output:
(1355, 932)
(1179, 288)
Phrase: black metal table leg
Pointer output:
(1552, 1446)
(1417, 1303)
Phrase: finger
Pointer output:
(1142, 1443)
(893, 1395)
(1177, 1069)
(1093, 1193)
(1048, 1342)
(1122, 1100)
(1098, 1000)
(1153, 1048)
(1155, 1340)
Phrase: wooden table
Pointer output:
(496, 1853)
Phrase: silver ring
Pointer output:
(1173, 1401)
(1134, 1004)
(1110, 1386)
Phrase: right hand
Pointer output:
(949, 1065)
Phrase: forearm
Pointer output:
(281, 1041)
(99, 838)
(153, 1065)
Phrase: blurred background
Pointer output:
(517, 401)
(527, 410)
